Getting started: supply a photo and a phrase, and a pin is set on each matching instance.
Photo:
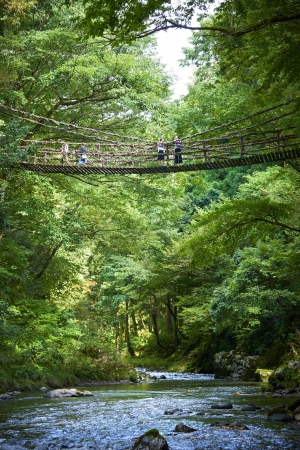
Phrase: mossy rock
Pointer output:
(279, 410)
(152, 439)
(287, 377)
(277, 379)
(264, 374)
(294, 405)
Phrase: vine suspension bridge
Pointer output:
(110, 153)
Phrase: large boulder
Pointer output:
(61, 393)
(281, 414)
(287, 377)
(235, 365)
(151, 440)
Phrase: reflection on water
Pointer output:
(117, 414)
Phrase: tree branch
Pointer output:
(225, 31)
(263, 23)
(47, 263)
(258, 219)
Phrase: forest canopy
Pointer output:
(98, 272)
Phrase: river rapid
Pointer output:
(117, 414)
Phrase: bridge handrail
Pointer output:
(212, 149)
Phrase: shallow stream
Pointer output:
(117, 414)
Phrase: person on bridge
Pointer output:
(161, 151)
(64, 151)
(177, 151)
(83, 154)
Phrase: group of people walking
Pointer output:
(161, 151)
(177, 153)
(65, 153)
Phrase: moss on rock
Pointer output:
(279, 410)
(287, 377)
(264, 374)
(152, 439)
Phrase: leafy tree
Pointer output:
(141, 19)
(129, 21)
(261, 296)
(50, 225)
(51, 71)
(257, 231)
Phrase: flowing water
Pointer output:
(119, 413)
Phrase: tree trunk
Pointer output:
(127, 332)
(155, 327)
(173, 315)
(154, 315)
(142, 325)
(134, 324)
(175, 327)
(117, 337)
(168, 315)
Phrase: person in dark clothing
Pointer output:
(161, 151)
(177, 151)
(83, 154)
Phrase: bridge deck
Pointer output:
(83, 169)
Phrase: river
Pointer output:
(117, 414)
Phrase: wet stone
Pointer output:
(222, 406)
(151, 440)
(280, 414)
(5, 397)
(220, 424)
(281, 417)
(171, 412)
(182, 428)
(61, 393)
(11, 447)
(229, 426)
(249, 407)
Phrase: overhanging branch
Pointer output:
(169, 24)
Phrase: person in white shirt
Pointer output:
(64, 151)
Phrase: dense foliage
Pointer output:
(100, 273)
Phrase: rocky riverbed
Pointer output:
(190, 412)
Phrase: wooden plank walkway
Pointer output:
(82, 169)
